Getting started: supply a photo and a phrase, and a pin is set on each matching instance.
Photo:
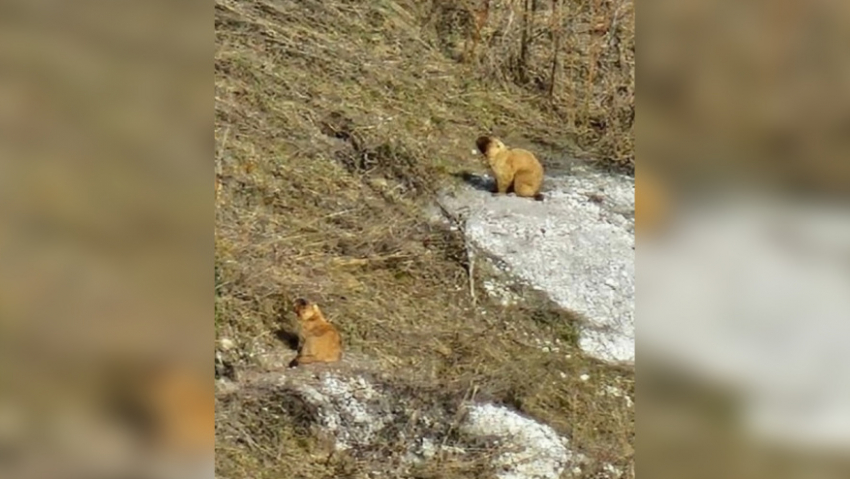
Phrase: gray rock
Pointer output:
(577, 246)
(752, 292)
(402, 426)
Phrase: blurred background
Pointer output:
(106, 220)
(744, 249)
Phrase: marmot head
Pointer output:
(306, 310)
(489, 145)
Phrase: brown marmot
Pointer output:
(171, 405)
(514, 168)
(320, 342)
(652, 203)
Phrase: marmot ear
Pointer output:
(483, 142)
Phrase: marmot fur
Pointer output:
(320, 340)
(515, 169)
(652, 204)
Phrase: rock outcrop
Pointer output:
(403, 426)
(577, 246)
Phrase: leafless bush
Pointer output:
(577, 56)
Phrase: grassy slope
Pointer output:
(335, 123)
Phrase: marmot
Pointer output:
(652, 204)
(320, 340)
(185, 404)
(171, 406)
(514, 168)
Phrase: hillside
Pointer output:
(336, 124)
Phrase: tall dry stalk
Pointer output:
(593, 60)
(522, 67)
(557, 27)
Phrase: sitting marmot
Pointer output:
(514, 168)
(320, 340)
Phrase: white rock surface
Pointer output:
(533, 450)
(577, 246)
(354, 412)
(754, 292)
(345, 410)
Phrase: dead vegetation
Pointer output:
(262, 414)
(335, 123)
(575, 58)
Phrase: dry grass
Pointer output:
(593, 89)
(335, 123)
